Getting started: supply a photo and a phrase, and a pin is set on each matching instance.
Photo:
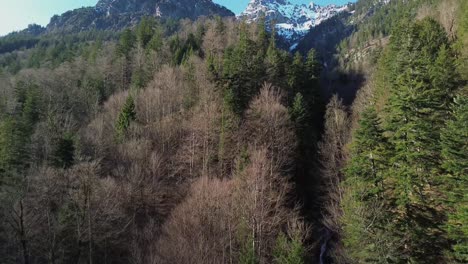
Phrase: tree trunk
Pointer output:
(24, 242)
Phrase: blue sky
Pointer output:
(17, 14)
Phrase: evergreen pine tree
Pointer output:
(145, 31)
(274, 67)
(140, 78)
(247, 254)
(312, 66)
(364, 219)
(288, 251)
(369, 149)
(156, 42)
(311, 86)
(63, 154)
(16, 131)
(242, 72)
(11, 147)
(126, 116)
(30, 110)
(296, 75)
(414, 118)
(126, 43)
(124, 48)
(455, 181)
(298, 111)
(262, 34)
(273, 61)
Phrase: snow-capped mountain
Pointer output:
(292, 20)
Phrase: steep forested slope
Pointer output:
(174, 143)
(179, 141)
(400, 188)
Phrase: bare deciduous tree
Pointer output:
(332, 149)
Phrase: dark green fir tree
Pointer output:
(455, 180)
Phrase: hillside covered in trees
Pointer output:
(202, 141)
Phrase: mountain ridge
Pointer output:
(118, 14)
(292, 21)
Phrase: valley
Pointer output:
(175, 131)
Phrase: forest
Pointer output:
(179, 141)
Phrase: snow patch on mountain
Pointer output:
(292, 21)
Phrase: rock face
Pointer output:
(292, 21)
(164, 8)
(117, 14)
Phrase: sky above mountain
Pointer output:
(18, 14)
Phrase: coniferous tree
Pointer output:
(274, 62)
(262, 34)
(312, 66)
(288, 251)
(414, 118)
(11, 150)
(124, 48)
(247, 252)
(145, 31)
(296, 75)
(63, 155)
(30, 110)
(126, 43)
(299, 113)
(311, 87)
(16, 130)
(298, 110)
(139, 78)
(312, 76)
(364, 219)
(242, 72)
(455, 179)
(369, 152)
(156, 42)
(126, 116)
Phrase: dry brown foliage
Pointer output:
(144, 166)
(445, 12)
(365, 97)
(198, 230)
(164, 96)
(260, 199)
(219, 218)
(6, 93)
(215, 221)
(333, 156)
(64, 211)
(163, 194)
(268, 126)
(200, 145)
(334, 140)
(216, 41)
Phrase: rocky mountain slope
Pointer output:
(293, 21)
(117, 14)
(163, 8)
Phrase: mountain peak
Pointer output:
(292, 20)
(117, 14)
(164, 8)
